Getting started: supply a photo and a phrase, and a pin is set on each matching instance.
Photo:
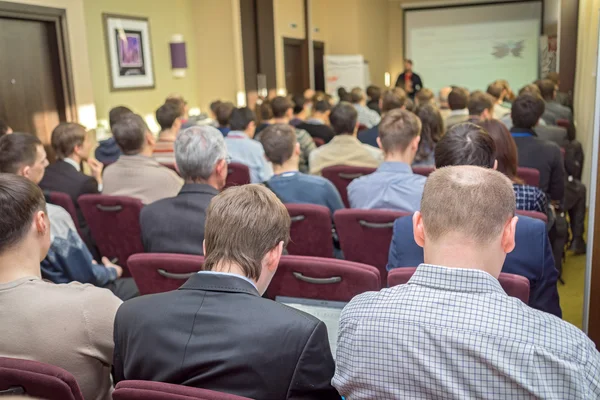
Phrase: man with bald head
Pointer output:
(452, 331)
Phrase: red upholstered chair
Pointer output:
(318, 141)
(146, 390)
(534, 214)
(424, 171)
(514, 285)
(322, 278)
(563, 123)
(64, 200)
(531, 176)
(161, 272)
(36, 379)
(342, 175)
(365, 235)
(237, 175)
(362, 127)
(114, 222)
(310, 231)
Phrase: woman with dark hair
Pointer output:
(432, 129)
(529, 198)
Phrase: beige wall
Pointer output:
(373, 23)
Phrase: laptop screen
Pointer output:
(327, 311)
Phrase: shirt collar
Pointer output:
(237, 134)
(198, 188)
(523, 130)
(314, 121)
(464, 111)
(73, 163)
(395, 166)
(229, 274)
(344, 139)
(455, 279)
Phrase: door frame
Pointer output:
(58, 17)
(303, 43)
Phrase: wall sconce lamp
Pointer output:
(178, 56)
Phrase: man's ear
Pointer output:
(204, 247)
(150, 140)
(508, 235)
(297, 150)
(418, 229)
(42, 224)
(416, 141)
(495, 167)
(271, 260)
(378, 140)
(24, 171)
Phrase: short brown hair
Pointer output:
(458, 98)
(65, 137)
(473, 201)
(279, 141)
(479, 102)
(18, 150)
(130, 134)
(495, 89)
(356, 95)
(554, 77)
(547, 89)
(397, 129)
(178, 101)
(532, 89)
(243, 224)
(280, 105)
(116, 113)
(424, 96)
(167, 114)
(393, 99)
(223, 113)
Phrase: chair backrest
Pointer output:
(563, 123)
(534, 214)
(161, 272)
(64, 200)
(237, 175)
(531, 176)
(365, 236)
(310, 231)
(114, 223)
(36, 379)
(146, 390)
(318, 141)
(514, 285)
(342, 175)
(362, 127)
(424, 171)
(322, 278)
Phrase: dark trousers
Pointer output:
(558, 235)
(575, 197)
(123, 288)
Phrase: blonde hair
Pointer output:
(473, 201)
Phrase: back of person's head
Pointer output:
(23, 154)
(409, 105)
(166, 115)
(357, 95)
(398, 130)
(23, 210)
(246, 226)
(425, 96)
(281, 106)
(393, 99)
(343, 118)
(265, 111)
(4, 128)
(465, 144)
(496, 90)
(279, 142)
(432, 129)
(506, 149)
(547, 89)
(214, 105)
(509, 95)
(116, 113)
(321, 106)
(479, 102)
(241, 118)
(178, 101)
(201, 154)
(374, 92)
(532, 89)
(458, 98)
(343, 94)
(223, 113)
(299, 103)
(527, 110)
(554, 77)
(66, 137)
(130, 134)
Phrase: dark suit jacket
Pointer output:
(217, 333)
(531, 258)
(369, 136)
(556, 134)
(176, 224)
(321, 131)
(417, 83)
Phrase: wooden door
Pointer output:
(319, 59)
(31, 88)
(295, 56)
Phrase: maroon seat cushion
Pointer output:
(237, 175)
(530, 176)
(342, 175)
(161, 272)
(310, 231)
(146, 390)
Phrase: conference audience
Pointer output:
(300, 110)
(393, 185)
(176, 224)
(5, 129)
(452, 331)
(317, 125)
(408, 80)
(217, 332)
(469, 144)
(68, 259)
(366, 117)
(480, 106)
(553, 111)
(136, 174)
(392, 99)
(457, 101)
(108, 150)
(69, 326)
(168, 117)
(529, 198)
(498, 91)
(432, 129)
(223, 115)
(344, 148)
(243, 149)
(374, 97)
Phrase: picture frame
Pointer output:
(129, 52)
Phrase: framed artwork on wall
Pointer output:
(129, 52)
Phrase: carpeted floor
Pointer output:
(571, 293)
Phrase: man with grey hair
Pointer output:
(452, 332)
(176, 224)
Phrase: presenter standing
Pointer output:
(408, 80)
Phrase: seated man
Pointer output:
(457, 101)
(136, 174)
(216, 332)
(168, 117)
(452, 332)
(467, 144)
(69, 326)
(499, 92)
(243, 149)
(108, 150)
(317, 125)
(176, 224)
(290, 185)
(344, 148)
(68, 259)
(480, 106)
(374, 95)
(393, 186)
(392, 99)
(553, 110)
(365, 116)
(223, 115)
(300, 109)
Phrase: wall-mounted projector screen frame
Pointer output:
(438, 45)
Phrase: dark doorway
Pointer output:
(319, 55)
(296, 64)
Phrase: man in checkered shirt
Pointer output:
(452, 332)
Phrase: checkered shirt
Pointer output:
(530, 198)
(455, 334)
